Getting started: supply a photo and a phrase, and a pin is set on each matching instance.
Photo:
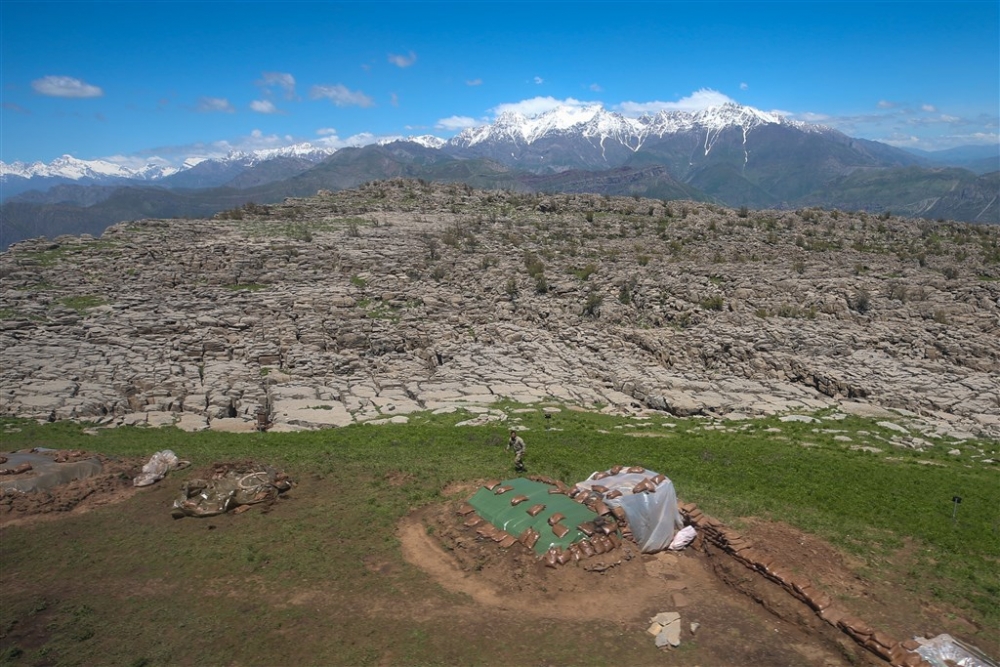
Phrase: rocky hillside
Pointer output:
(403, 295)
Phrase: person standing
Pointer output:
(516, 443)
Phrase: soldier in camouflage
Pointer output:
(516, 443)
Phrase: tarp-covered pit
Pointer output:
(44, 469)
(569, 523)
(518, 505)
(649, 501)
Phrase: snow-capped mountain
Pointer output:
(595, 122)
(18, 177)
(565, 137)
(732, 153)
(68, 167)
(607, 132)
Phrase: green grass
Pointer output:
(83, 302)
(164, 582)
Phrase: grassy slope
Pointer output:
(127, 585)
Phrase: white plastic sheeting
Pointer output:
(945, 650)
(652, 515)
(157, 467)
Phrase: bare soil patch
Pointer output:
(741, 619)
(730, 614)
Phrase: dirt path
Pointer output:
(627, 588)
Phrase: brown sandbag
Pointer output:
(559, 530)
(502, 489)
(517, 500)
(532, 539)
(535, 510)
(556, 518)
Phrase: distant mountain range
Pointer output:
(730, 154)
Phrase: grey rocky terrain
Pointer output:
(370, 304)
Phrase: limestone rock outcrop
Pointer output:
(402, 296)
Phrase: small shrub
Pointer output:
(512, 289)
(585, 272)
(715, 302)
(593, 304)
(861, 302)
(625, 292)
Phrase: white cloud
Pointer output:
(403, 61)
(456, 123)
(362, 139)
(696, 101)
(886, 104)
(65, 86)
(474, 82)
(744, 86)
(595, 87)
(539, 80)
(394, 99)
(538, 105)
(136, 161)
(12, 106)
(929, 108)
(805, 116)
(213, 104)
(263, 106)
(341, 96)
(326, 131)
(282, 80)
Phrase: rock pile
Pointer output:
(401, 296)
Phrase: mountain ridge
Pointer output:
(730, 155)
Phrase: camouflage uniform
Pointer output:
(517, 444)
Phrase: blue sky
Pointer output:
(130, 80)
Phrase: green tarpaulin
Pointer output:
(514, 519)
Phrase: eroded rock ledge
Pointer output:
(402, 296)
